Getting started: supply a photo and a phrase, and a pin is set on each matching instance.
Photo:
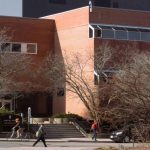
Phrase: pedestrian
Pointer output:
(40, 134)
(94, 129)
(19, 128)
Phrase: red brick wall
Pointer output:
(71, 36)
(27, 30)
(120, 16)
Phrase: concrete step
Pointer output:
(61, 131)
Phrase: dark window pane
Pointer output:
(108, 34)
(90, 33)
(31, 48)
(97, 33)
(60, 92)
(103, 3)
(121, 34)
(16, 47)
(57, 1)
(133, 35)
(6, 47)
(115, 4)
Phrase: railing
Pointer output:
(79, 125)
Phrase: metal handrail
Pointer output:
(76, 123)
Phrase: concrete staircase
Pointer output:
(61, 131)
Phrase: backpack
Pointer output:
(40, 132)
(37, 134)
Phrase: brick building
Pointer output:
(40, 8)
(79, 30)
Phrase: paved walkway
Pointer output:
(107, 140)
(49, 148)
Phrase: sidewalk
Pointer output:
(103, 140)
(50, 148)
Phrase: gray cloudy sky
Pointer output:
(11, 8)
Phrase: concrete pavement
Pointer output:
(49, 148)
(103, 140)
(24, 146)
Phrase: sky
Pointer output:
(11, 8)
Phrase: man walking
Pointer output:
(94, 129)
(40, 134)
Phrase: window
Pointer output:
(97, 31)
(16, 47)
(119, 32)
(115, 4)
(103, 75)
(103, 3)
(107, 34)
(6, 47)
(13, 47)
(121, 35)
(133, 34)
(57, 1)
(60, 92)
(90, 33)
(31, 48)
(145, 36)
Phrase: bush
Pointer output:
(69, 116)
(4, 112)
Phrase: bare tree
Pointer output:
(77, 73)
(132, 84)
(12, 65)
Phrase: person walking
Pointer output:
(40, 134)
(94, 129)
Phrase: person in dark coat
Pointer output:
(40, 134)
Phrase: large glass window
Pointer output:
(145, 34)
(119, 32)
(133, 34)
(107, 33)
(121, 35)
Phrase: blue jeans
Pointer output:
(94, 134)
